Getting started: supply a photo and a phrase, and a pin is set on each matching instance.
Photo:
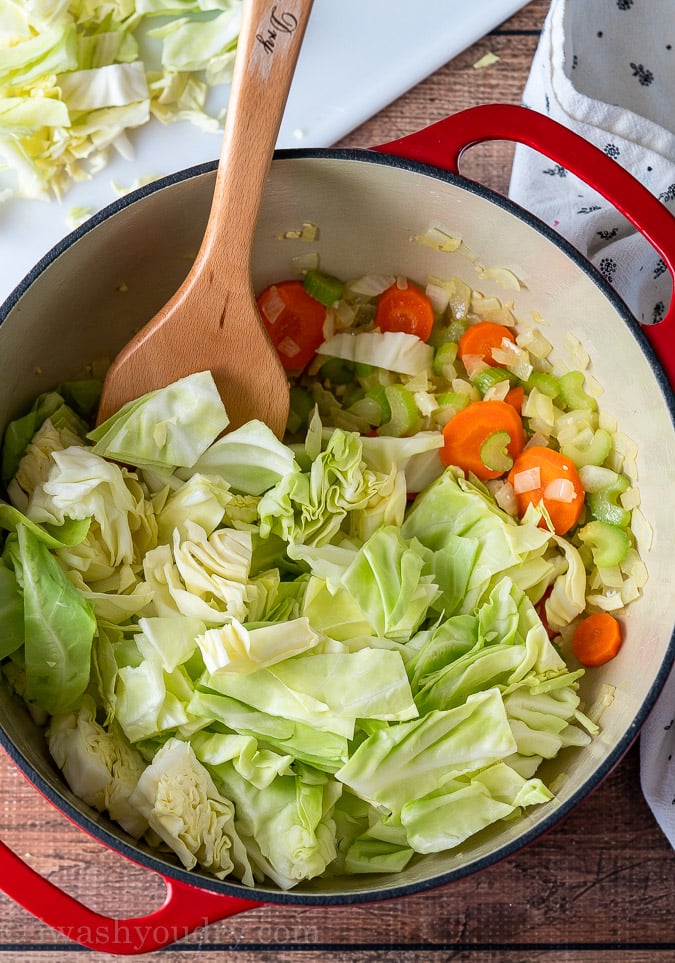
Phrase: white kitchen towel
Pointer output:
(606, 69)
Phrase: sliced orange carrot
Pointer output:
(294, 321)
(542, 475)
(515, 397)
(597, 639)
(479, 339)
(468, 434)
(405, 309)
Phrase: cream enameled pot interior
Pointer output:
(110, 278)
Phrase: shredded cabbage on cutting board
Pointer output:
(76, 77)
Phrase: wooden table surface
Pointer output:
(600, 887)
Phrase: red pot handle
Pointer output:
(186, 908)
(442, 144)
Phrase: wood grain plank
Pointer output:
(458, 85)
(581, 886)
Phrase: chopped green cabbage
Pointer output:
(73, 81)
(182, 805)
(391, 350)
(269, 658)
(167, 428)
(100, 766)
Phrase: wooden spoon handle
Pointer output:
(267, 51)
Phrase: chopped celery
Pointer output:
(378, 394)
(353, 393)
(374, 377)
(603, 503)
(456, 328)
(440, 334)
(373, 406)
(323, 287)
(452, 399)
(444, 360)
(364, 371)
(595, 452)
(493, 452)
(572, 392)
(609, 544)
(301, 406)
(489, 377)
(405, 418)
(548, 384)
(337, 371)
(595, 477)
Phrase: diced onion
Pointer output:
(611, 577)
(629, 591)
(273, 305)
(634, 568)
(609, 602)
(630, 499)
(372, 284)
(538, 440)
(438, 295)
(288, 347)
(498, 391)
(607, 421)
(438, 240)
(579, 355)
(604, 700)
(513, 358)
(641, 529)
(625, 445)
(503, 277)
(560, 490)
(426, 403)
(329, 324)
(534, 342)
(474, 364)
(505, 496)
(593, 387)
(344, 316)
(528, 480)
(482, 305)
(463, 387)
(309, 261)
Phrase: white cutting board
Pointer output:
(357, 57)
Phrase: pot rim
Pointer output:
(363, 155)
(267, 895)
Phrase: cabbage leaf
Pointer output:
(73, 84)
(446, 817)
(287, 826)
(310, 506)
(59, 626)
(99, 765)
(181, 803)
(387, 580)
(329, 691)
(403, 762)
(250, 459)
(166, 428)
(392, 350)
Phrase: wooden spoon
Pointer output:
(212, 321)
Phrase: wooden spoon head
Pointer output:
(212, 322)
(182, 339)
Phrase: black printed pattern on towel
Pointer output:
(617, 53)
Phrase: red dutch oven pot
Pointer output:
(367, 205)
